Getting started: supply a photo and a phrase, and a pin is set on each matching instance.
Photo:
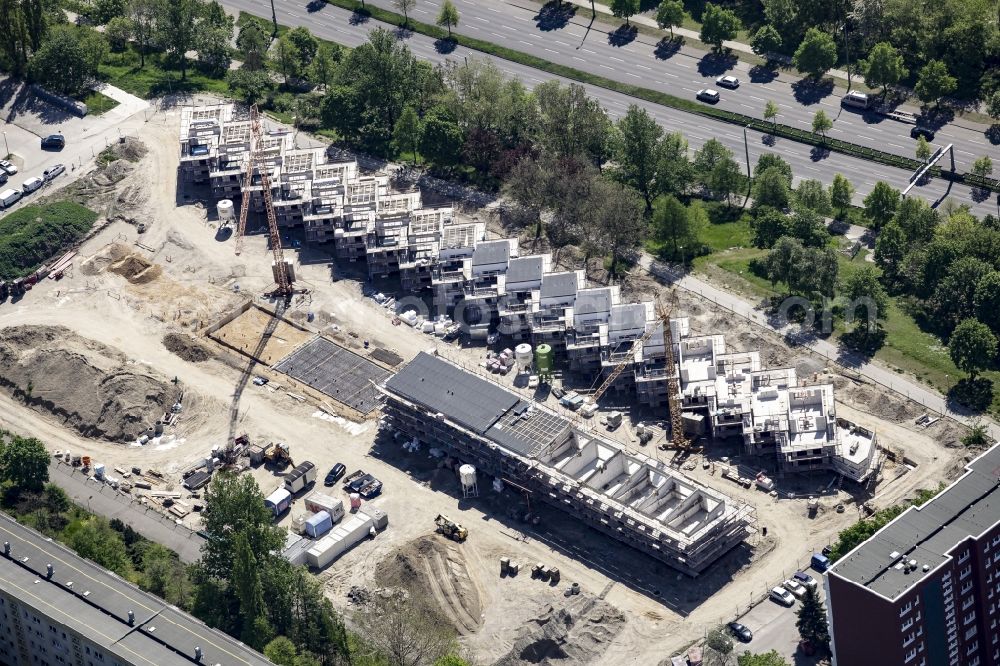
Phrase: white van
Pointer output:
(32, 184)
(9, 198)
(858, 100)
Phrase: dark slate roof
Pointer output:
(524, 269)
(927, 533)
(491, 252)
(589, 301)
(555, 285)
(462, 397)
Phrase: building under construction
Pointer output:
(635, 499)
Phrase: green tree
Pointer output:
(281, 651)
(285, 57)
(440, 138)
(622, 224)
(406, 134)
(972, 347)
(987, 300)
(234, 506)
(249, 85)
(718, 25)
(24, 462)
(816, 54)
(165, 575)
(769, 160)
(177, 23)
(993, 105)
(884, 67)
(954, 297)
(405, 6)
(249, 589)
(771, 658)
(923, 150)
(252, 43)
(771, 113)
(214, 54)
(95, 540)
(917, 220)
(811, 194)
(118, 31)
(67, 62)
(719, 640)
(142, 16)
(982, 166)
(771, 189)
(768, 226)
(638, 137)
(841, 194)
(765, 41)
(808, 226)
(324, 65)
(674, 171)
(625, 9)
(571, 124)
(448, 16)
(881, 203)
(673, 224)
(864, 289)
(305, 47)
(668, 14)
(934, 82)
(821, 123)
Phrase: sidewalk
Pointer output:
(128, 104)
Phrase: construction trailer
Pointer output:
(635, 499)
(317, 502)
(343, 537)
(279, 501)
(300, 477)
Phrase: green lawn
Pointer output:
(32, 235)
(155, 78)
(98, 103)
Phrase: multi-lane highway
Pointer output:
(335, 24)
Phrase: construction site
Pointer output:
(644, 463)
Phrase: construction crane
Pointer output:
(618, 369)
(678, 439)
(255, 159)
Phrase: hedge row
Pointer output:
(664, 99)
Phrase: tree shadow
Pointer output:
(993, 134)
(864, 342)
(936, 117)
(445, 45)
(812, 91)
(623, 36)
(763, 73)
(403, 32)
(315, 6)
(819, 153)
(975, 394)
(714, 64)
(359, 17)
(768, 140)
(980, 194)
(667, 47)
(554, 16)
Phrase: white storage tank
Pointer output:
(523, 357)
(467, 477)
(226, 211)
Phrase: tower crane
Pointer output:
(255, 160)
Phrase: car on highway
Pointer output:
(709, 95)
(802, 578)
(728, 81)
(9, 168)
(782, 596)
(919, 131)
(741, 631)
(54, 142)
(334, 475)
(858, 100)
(53, 171)
(795, 588)
(32, 184)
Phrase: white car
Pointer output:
(709, 95)
(53, 171)
(782, 596)
(8, 167)
(728, 81)
(795, 588)
(533, 381)
(32, 184)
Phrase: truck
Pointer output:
(278, 502)
(300, 477)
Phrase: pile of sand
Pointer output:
(136, 269)
(87, 385)
(186, 347)
(578, 631)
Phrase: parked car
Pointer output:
(802, 578)
(741, 631)
(9, 168)
(858, 100)
(728, 81)
(336, 472)
(919, 131)
(54, 142)
(794, 587)
(708, 95)
(782, 596)
(558, 392)
(3, 177)
(32, 184)
(9, 197)
(53, 171)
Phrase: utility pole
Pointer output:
(746, 147)
(847, 49)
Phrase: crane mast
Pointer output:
(255, 159)
(678, 438)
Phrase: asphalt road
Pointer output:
(335, 24)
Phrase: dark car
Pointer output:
(335, 473)
(54, 141)
(919, 131)
(741, 632)
(3, 177)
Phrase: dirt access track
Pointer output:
(115, 318)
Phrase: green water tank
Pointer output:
(544, 361)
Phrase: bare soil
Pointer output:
(186, 347)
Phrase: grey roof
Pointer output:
(589, 301)
(555, 285)
(927, 533)
(94, 603)
(491, 252)
(462, 397)
(629, 315)
(524, 269)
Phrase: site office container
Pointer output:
(318, 524)
(279, 501)
(339, 540)
(322, 502)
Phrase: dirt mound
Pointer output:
(186, 347)
(878, 402)
(576, 632)
(88, 386)
(434, 569)
(136, 269)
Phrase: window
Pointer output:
(970, 633)
(910, 656)
(965, 572)
(968, 619)
(962, 557)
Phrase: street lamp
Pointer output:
(847, 50)
(274, 18)
(746, 147)
(7, 148)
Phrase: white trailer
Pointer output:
(300, 477)
(322, 502)
(341, 539)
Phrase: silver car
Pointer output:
(728, 81)
(53, 171)
(782, 596)
(709, 95)
(8, 167)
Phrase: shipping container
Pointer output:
(343, 537)
(318, 524)
(322, 502)
(278, 501)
